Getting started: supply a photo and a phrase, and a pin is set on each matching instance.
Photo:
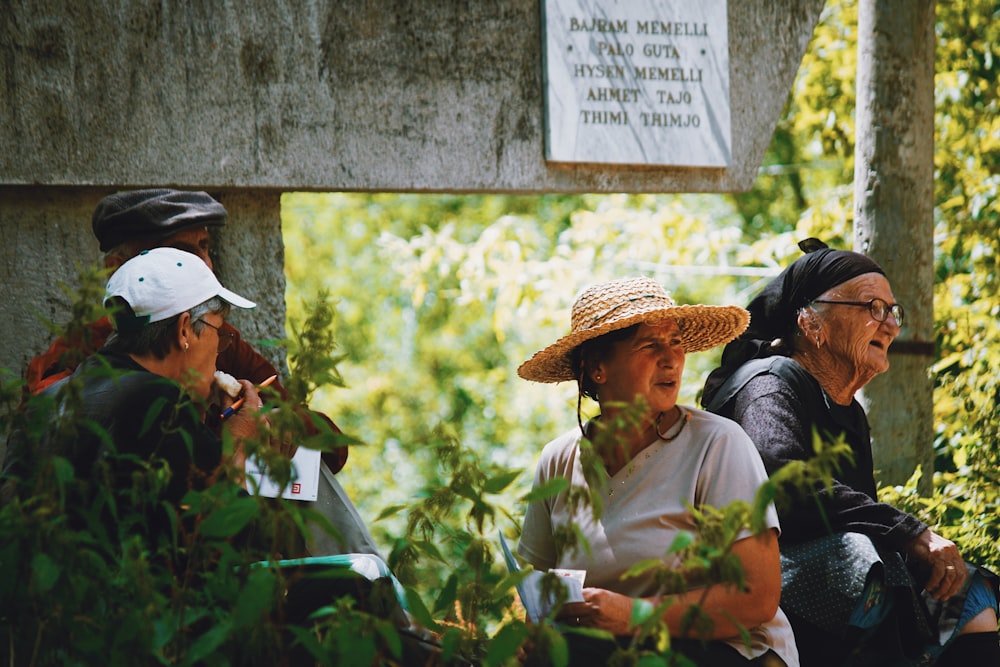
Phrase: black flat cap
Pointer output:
(152, 214)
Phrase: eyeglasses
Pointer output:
(225, 337)
(879, 308)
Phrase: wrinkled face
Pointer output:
(858, 343)
(194, 240)
(201, 354)
(649, 364)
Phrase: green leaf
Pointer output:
(641, 611)
(208, 643)
(559, 649)
(500, 482)
(153, 414)
(643, 566)
(549, 489)
(449, 593)
(506, 642)
(63, 469)
(256, 598)
(682, 540)
(307, 638)
(389, 511)
(419, 610)
(227, 521)
(44, 572)
(392, 639)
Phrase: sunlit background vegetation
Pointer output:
(440, 297)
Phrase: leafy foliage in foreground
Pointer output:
(81, 581)
(84, 581)
(438, 298)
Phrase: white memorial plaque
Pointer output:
(638, 82)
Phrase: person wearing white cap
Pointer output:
(168, 308)
(144, 394)
(648, 460)
(128, 222)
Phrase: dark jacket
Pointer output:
(240, 360)
(111, 419)
(779, 404)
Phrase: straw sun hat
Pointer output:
(621, 303)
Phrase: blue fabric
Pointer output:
(844, 586)
(980, 598)
(873, 607)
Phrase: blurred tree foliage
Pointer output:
(440, 297)
(967, 281)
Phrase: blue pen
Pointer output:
(228, 412)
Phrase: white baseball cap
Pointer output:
(163, 282)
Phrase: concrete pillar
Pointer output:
(893, 219)
(46, 238)
(249, 258)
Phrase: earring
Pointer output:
(597, 377)
(186, 345)
(817, 342)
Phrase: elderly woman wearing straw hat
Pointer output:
(657, 459)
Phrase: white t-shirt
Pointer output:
(711, 463)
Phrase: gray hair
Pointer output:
(156, 338)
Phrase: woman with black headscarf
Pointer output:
(863, 582)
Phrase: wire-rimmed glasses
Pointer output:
(225, 337)
(879, 308)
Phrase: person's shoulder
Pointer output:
(111, 372)
(561, 448)
(706, 419)
(564, 441)
(713, 426)
(786, 376)
(60, 359)
(785, 368)
(771, 374)
(777, 365)
(721, 439)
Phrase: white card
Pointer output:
(304, 484)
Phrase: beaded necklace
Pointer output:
(684, 419)
(631, 465)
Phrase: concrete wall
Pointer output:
(301, 94)
(249, 98)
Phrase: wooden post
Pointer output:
(893, 220)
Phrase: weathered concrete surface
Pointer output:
(388, 95)
(894, 221)
(246, 99)
(44, 241)
(47, 237)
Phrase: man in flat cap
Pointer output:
(127, 223)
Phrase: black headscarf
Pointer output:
(774, 311)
